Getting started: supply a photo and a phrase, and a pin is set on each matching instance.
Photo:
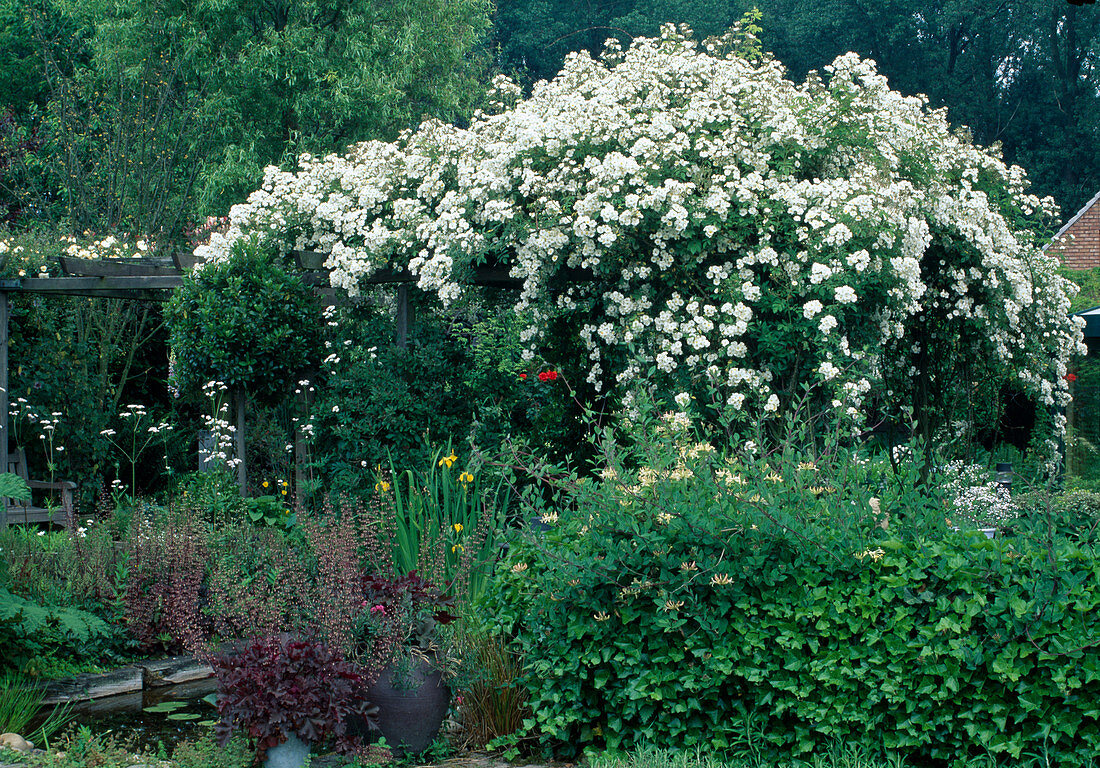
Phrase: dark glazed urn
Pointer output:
(410, 716)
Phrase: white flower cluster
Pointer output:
(217, 422)
(976, 499)
(696, 213)
(109, 247)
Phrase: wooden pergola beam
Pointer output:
(154, 279)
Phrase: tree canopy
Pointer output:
(155, 114)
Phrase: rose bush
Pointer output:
(701, 225)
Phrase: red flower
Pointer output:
(523, 375)
(548, 376)
(1070, 377)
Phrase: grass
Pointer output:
(840, 756)
(20, 703)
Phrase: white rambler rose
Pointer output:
(828, 371)
(845, 294)
(696, 160)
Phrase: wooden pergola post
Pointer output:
(5, 401)
(153, 279)
(242, 464)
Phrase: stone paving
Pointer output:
(469, 760)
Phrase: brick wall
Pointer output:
(1079, 245)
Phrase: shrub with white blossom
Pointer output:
(703, 225)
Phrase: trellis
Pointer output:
(154, 279)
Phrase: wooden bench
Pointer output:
(26, 512)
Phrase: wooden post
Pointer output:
(301, 452)
(402, 319)
(242, 465)
(4, 400)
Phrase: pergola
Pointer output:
(154, 279)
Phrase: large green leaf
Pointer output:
(15, 487)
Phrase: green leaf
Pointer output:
(165, 706)
(14, 487)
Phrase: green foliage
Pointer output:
(81, 747)
(29, 630)
(837, 756)
(1083, 423)
(1046, 517)
(759, 608)
(144, 118)
(15, 487)
(1008, 72)
(79, 568)
(270, 511)
(214, 494)
(20, 703)
(535, 37)
(446, 522)
(1088, 281)
(246, 322)
(459, 378)
(72, 361)
(205, 753)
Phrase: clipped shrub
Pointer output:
(761, 607)
(246, 322)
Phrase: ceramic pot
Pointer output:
(411, 706)
(292, 753)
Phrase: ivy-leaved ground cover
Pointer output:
(756, 607)
(696, 223)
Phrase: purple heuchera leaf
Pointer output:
(279, 684)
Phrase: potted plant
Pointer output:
(399, 637)
(286, 694)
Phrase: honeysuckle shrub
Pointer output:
(775, 606)
(245, 321)
(695, 221)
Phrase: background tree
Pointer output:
(150, 116)
(1017, 72)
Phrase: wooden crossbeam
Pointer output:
(117, 267)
